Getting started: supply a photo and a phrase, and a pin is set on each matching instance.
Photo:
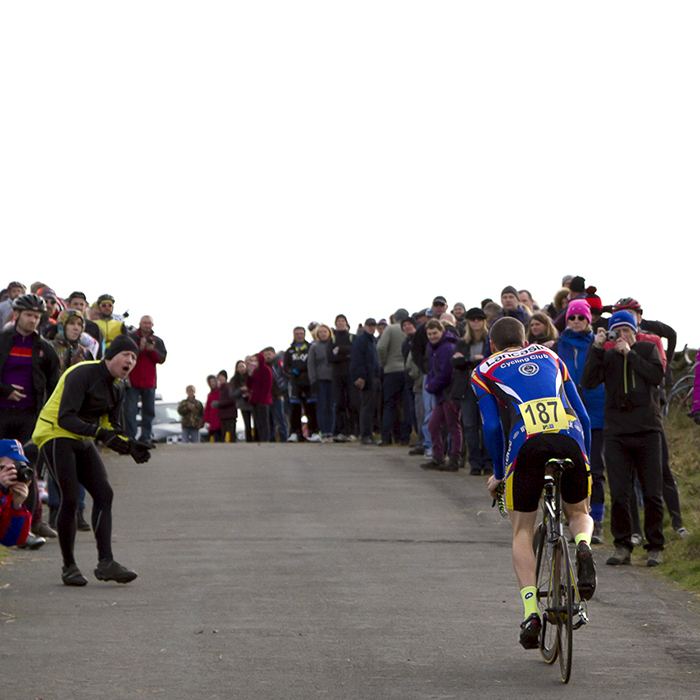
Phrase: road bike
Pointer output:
(561, 608)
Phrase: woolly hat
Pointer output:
(579, 306)
(578, 285)
(620, 319)
(122, 343)
(510, 290)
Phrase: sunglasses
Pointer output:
(577, 317)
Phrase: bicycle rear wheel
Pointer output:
(545, 591)
(564, 604)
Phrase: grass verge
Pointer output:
(682, 555)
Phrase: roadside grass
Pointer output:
(682, 555)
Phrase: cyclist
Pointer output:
(532, 412)
(85, 408)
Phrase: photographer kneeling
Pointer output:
(85, 407)
(15, 519)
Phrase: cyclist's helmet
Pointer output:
(29, 302)
(627, 304)
(105, 297)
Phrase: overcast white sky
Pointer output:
(237, 168)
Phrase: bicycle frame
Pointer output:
(561, 601)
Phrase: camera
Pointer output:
(612, 335)
(25, 474)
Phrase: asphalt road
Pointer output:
(318, 571)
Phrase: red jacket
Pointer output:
(143, 376)
(260, 383)
(14, 523)
(211, 414)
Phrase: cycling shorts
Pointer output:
(525, 481)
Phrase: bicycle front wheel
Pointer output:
(545, 591)
(564, 605)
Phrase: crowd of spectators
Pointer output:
(43, 335)
(399, 379)
(410, 376)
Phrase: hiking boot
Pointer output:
(435, 464)
(32, 542)
(655, 557)
(71, 576)
(620, 557)
(585, 571)
(83, 526)
(452, 465)
(530, 632)
(597, 537)
(418, 450)
(41, 529)
(111, 571)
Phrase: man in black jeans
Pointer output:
(364, 373)
(632, 372)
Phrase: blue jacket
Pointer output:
(364, 361)
(573, 348)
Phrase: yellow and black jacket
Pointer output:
(87, 397)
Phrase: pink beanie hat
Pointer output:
(579, 306)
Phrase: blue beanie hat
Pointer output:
(622, 318)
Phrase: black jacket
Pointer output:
(46, 368)
(631, 387)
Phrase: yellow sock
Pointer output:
(583, 537)
(529, 596)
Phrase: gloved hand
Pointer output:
(139, 451)
(113, 440)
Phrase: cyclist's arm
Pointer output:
(576, 403)
(493, 434)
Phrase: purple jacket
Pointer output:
(440, 366)
(696, 391)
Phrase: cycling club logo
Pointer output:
(529, 369)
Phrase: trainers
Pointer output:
(340, 438)
(655, 557)
(530, 632)
(585, 571)
(620, 557)
(32, 542)
(293, 438)
(71, 576)
(597, 537)
(367, 441)
(682, 532)
(475, 471)
(111, 571)
(41, 529)
(418, 450)
(315, 438)
(434, 463)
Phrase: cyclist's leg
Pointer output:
(524, 561)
